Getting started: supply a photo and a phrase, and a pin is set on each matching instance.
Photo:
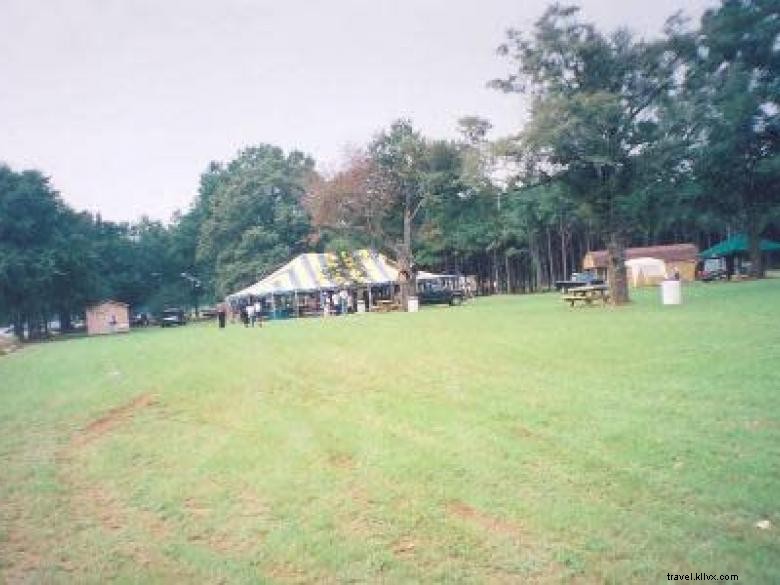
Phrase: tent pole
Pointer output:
(297, 307)
(370, 300)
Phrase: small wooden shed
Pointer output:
(108, 317)
(680, 257)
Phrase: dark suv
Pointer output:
(172, 318)
(438, 295)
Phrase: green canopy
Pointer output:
(737, 244)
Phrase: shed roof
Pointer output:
(669, 253)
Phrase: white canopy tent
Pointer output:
(644, 271)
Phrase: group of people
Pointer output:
(248, 314)
(330, 300)
(251, 314)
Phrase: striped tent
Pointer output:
(329, 271)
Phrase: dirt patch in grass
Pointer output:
(547, 570)
(113, 418)
(30, 555)
(21, 558)
(89, 506)
(761, 424)
(288, 573)
(83, 505)
(485, 521)
(195, 508)
(405, 547)
(524, 432)
(91, 502)
(241, 531)
(8, 345)
(341, 461)
(251, 505)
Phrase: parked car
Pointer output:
(208, 313)
(431, 294)
(713, 269)
(140, 319)
(173, 318)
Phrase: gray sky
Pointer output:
(124, 102)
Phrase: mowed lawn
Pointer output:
(511, 440)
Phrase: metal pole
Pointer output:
(297, 306)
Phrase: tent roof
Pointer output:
(736, 244)
(315, 271)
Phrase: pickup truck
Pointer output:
(578, 279)
(437, 295)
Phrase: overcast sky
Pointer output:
(124, 102)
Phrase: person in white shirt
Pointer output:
(343, 295)
(258, 313)
(250, 313)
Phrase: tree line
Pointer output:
(629, 142)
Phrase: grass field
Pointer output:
(512, 440)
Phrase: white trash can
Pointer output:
(414, 304)
(361, 306)
(671, 292)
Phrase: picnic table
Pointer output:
(587, 295)
(385, 306)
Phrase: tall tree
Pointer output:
(29, 211)
(733, 80)
(46, 254)
(255, 219)
(594, 115)
(380, 194)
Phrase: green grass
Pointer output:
(512, 440)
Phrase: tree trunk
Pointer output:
(551, 265)
(564, 267)
(754, 251)
(508, 274)
(19, 320)
(536, 261)
(65, 321)
(405, 276)
(616, 271)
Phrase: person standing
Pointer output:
(250, 312)
(221, 315)
(258, 313)
(343, 301)
(244, 315)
